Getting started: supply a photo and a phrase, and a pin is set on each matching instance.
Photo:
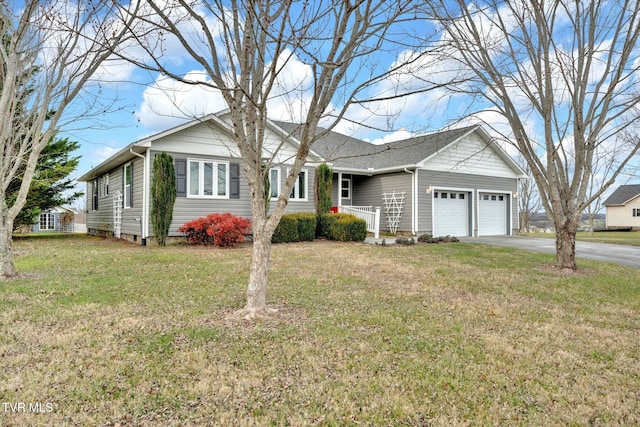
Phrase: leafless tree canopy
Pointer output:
(245, 49)
(50, 50)
(563, 75)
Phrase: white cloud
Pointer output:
(167, 103)
(102, 153)
(395, 136)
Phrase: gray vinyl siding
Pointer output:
(453, 180)
(368, 191)
(132, 216)
(187, 209)
(102, 219)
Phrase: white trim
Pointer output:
(509, 218)
(296, 187)
(339, 192)
(278, 183)
(126, 203)
(435, 188)
(214, 178)
(348, 188)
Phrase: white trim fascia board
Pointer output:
(283, 133)
(502, 153)
(480, 190)
(423, 161)
(370, 172)
(146, 142)
(490, 143)
(114, 161)
(626, 202)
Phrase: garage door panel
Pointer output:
(451, 213)
(492, 214)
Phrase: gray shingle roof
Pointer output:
(351, 153)
(623, 194)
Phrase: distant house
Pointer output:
(58, 219)
(456, 182)
(623, 208)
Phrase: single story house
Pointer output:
(456, 182)
(623, 208)
(58, 219)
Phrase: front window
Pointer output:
(208, 179)
(274, 182)
(636, 212)
(299, 190)
(47, 221)
(127, 190)
(345, 188)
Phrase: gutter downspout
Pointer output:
(144, 226)
(414, 203)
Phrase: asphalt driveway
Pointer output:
(606, 252)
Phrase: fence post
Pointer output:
(376, 223)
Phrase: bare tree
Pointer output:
(528, 199)
(50, 50)
(244, 48)
(564, 75)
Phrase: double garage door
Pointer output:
(452, 213)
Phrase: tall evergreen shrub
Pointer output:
(324, 178)
(163, 196)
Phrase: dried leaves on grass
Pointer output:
(110, 333)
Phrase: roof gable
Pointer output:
(474, 152)
(623, 195)
(211, 135)
(463, 150)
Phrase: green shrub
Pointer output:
(346, 228)
(298, 227)
(322, 225)
(286, 231)
(306, 226)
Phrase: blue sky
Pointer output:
(145, 103)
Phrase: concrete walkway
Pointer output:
(606, 252)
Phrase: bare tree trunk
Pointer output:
(566, 245)
(259, 275)
(7, 268)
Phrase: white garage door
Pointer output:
(450, 213)
(492, 214)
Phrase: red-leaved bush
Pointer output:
(220, 229)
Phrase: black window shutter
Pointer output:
(181, 177)
(234, 181)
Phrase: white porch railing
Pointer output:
(370, 214)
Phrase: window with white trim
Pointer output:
(105, 184)
(208, 179)
(47, 221)
(345, 188)
(299, 190)
(636, 212)
(128, 182)
(274, 182)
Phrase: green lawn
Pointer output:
(107, 333)
(618, 237)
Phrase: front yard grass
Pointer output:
(107, 333)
